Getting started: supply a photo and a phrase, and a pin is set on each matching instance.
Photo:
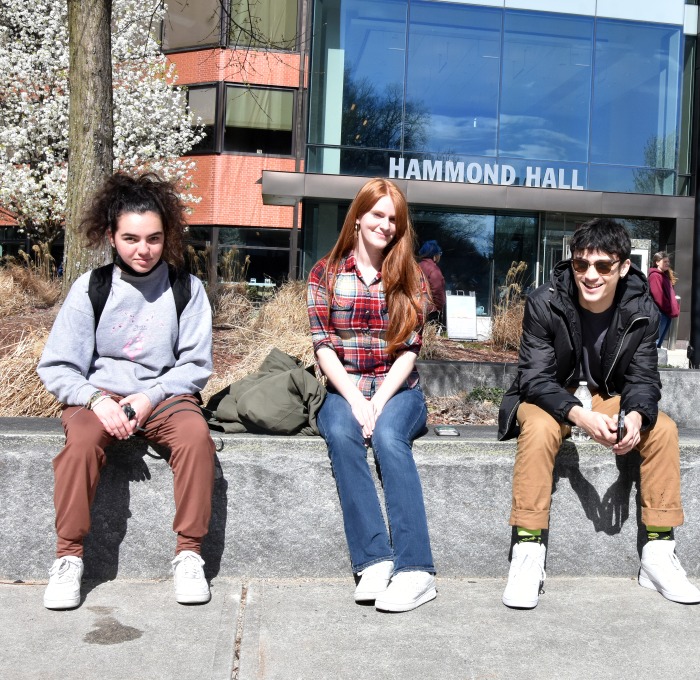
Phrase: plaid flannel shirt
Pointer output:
(356, 330)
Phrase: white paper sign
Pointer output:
(460, 312)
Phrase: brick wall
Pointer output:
(231, 192)
(237, 66)
(229, 185)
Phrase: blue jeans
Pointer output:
(402, 420)
(664, 325)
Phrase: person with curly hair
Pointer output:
(135, 368)
(367, 302)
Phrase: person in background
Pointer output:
(137, 369)
(661, 282)
(595, 322)
(366, 302)
(428, 257)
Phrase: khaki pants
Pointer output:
(539, 441)
(181, 428)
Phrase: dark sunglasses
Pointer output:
(601, 266)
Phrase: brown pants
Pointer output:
(539, 441)
(181, 428)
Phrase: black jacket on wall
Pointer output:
(550, 351)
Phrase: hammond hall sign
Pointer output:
(482, 173)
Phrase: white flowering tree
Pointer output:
(152, 125)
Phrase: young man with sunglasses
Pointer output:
(594, 321)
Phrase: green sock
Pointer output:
(659, 533)
(527, 535)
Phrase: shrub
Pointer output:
(281, 322)
(507, 325)
(484, 393)
(23, 288)
(21, 391)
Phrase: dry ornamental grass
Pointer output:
(243, 336)
(281, 322)
(22, 289)
(21, 391)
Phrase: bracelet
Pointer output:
(99, 395)
(102, 397)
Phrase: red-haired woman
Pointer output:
(366, 309)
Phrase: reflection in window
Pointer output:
(359, 100)
(546, 86)
(631, 180)
(454, 51)
(264, 23)
(258, 120)
(566, 100)
(191, 23)
(202, 102)
(636, 99)
(241, 253)
(373, 98)
(466, 241)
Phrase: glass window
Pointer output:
(635, 114)
(191, 23)
(357, 88)
(371, 34)
(242, 253)
(254, 238)
(547, 66)
(264, 23)
(202, 102)
(258, 120)
(466, 241)
(477, 248)
(452, 50)
(632, 180)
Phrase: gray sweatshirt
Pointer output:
(137, 346)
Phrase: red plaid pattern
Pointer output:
(356, 330)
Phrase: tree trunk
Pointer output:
(90, 126)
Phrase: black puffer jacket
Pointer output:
(550, 351)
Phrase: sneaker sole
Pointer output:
(193, 599)
(515, 604)
(62, 604)
(369, 597)
(428, 595)
(523, 604)
(646, 582)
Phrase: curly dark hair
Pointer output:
(604, 235)
(121, 194)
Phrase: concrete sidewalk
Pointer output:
(310, 629)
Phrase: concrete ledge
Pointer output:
(276, 511)
(680, 394)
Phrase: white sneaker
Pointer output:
(63, 591)
(661, 571)
(407, 590)
(190, 585)
(373, 581)
(526, 575)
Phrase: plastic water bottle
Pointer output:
(582, 393)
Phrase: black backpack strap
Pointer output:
(101, 284)
(181, 286)
(98, 289)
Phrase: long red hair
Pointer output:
(400, 273)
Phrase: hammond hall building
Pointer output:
(507, 123)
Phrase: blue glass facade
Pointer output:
(456, 92)
(493, 95)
